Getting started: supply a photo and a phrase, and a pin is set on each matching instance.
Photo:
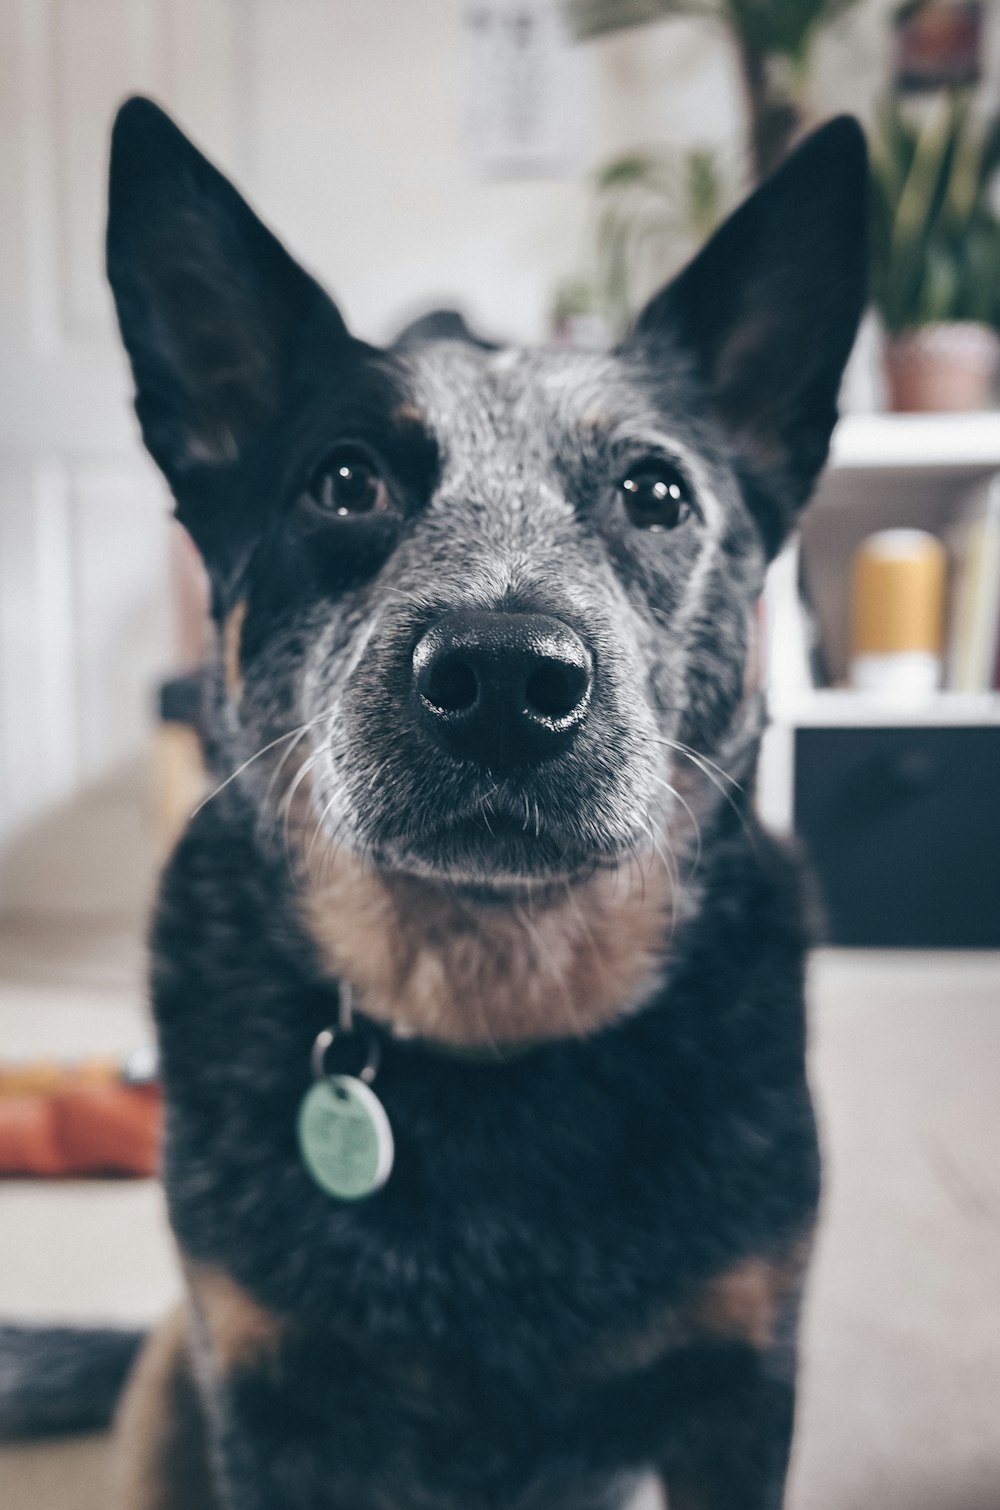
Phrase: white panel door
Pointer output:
(85, 614)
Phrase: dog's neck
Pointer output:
(428, 963)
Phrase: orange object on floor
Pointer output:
(81, 1128)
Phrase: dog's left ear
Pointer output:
(769, 310)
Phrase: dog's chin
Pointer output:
(502, 863)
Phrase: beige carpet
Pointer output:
(901, 1374)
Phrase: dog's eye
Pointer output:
(657, 495)
(348, 483)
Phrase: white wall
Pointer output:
(356, 153)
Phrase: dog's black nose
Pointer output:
(502, 689)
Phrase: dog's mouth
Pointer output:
(485, 828)
(490, 855)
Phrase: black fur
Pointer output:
(513, 1320)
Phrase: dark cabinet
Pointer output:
(902, 827)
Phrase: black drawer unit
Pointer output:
(902, 826)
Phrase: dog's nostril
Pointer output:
(555, 688)
(449, 684)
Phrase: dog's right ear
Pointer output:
(211, 306)
(768, 310)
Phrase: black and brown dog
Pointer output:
(485, 738)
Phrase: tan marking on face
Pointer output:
(237, 1330)
(596, 417)
(232, 632)
(425, 963)
(161, 1459)
(409, 414)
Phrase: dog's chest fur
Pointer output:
(558, 1230)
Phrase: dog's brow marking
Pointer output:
(595, 417)
(410, 414)
(232, 631)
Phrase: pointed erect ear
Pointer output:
(211, 306)
(769, 310)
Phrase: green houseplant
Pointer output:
(650, 211)
(653, 209)
(773, 41)
(936, 253)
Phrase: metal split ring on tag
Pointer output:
(324, 1043)
(345, 1137)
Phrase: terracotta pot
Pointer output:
(951, 366)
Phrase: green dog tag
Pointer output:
(345, 1137)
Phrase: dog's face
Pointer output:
(504, 593)
(498, 603)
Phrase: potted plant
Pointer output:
(773, 41)
(936, 254)
(653, 209)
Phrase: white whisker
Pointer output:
(292, 733)
(661, 781)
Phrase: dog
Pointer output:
(482, 863)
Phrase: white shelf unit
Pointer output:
(834, 707)
(957, 444)
(885, 470)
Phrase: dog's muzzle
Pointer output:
(502, 690)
